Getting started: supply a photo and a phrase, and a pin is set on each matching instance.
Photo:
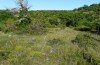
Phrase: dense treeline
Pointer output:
(85, 18)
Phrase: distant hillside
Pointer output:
(93, 8)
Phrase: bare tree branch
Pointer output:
(23, 4)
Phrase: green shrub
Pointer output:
(54, 21)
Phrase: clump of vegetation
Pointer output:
(86, 40)
(89, 45)
(55, 42)
(4, 54)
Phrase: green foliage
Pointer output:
(53, 21)
(97, 25)
(4, 16)
(93, 7)
(84, 18)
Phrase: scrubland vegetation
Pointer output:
(50, 37)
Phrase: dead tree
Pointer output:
(23, 5)
(23, 8)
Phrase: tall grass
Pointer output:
(57, 47)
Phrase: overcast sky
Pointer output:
(50, 4)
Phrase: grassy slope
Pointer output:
(34, 50)
(66, 35)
